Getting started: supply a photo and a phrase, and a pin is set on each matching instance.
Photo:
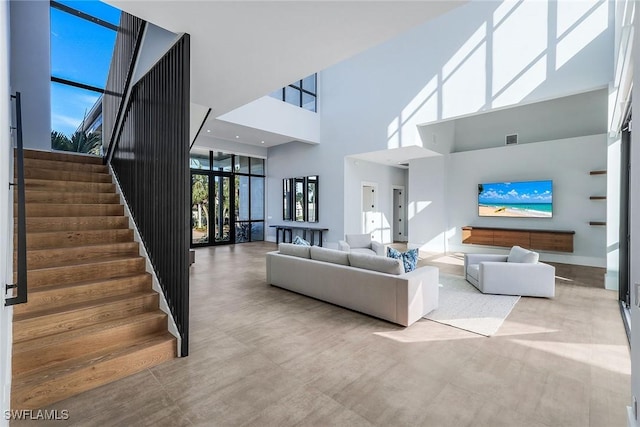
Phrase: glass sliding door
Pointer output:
(199, 209)
(243, 227)
(222, 208)
(227, 193)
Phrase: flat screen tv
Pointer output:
(526, 199)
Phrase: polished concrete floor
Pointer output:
(263, 356)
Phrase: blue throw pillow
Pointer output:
(300, 241)
(409, 258)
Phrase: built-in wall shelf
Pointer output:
(549, 240)
(599, 172)
(598, 198)
(597, 223)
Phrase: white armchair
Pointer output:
(518, 273)
(361, 243)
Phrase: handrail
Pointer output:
(125, 89)
(21, 247)
(206, 116)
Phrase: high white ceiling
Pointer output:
(243, 50)
(397, 157)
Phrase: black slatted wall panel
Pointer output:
(151, 162)
(124, 51)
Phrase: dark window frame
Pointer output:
(298, 86)
(232, 174)
(92, 19)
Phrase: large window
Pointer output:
(302, 93)
(83, 35)
(235, 186)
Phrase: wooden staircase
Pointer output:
(92, 316)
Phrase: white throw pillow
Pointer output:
(359, 240)
(521, 255)
(376, 263)
(294, 250)
(329, 255)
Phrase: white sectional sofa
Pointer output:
(369, 284)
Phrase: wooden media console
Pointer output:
(544, 240)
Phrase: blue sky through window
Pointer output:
(81, 52)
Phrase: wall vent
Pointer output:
(511, 139)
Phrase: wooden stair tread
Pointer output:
(63, 294)
(64, 165)
(81, 306)
(63, 175)
(91, 362)
(74, 238)
(63, 157)
(91, 359)
(47, 352)
(53, 257)
(95, 245)
(75, 223)
(92, 316)
(80, 262)
(45, 210)
(86, 269)
(86, 247)
(37, 184)
(69, 197)
(105, 282)
(43, 388)
(49, 340)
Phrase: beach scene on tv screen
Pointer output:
(530, 199)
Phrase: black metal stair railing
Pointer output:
(123, 61)
(21, 242)
(151, 163)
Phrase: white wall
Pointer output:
(31, 69)
(197, 113)
(273, 115)
(156, 42)
(565, 117)
(356, 172)
(301, 159)
(567, 162)
(426, 210)
(477, 57)
(488, 55)
(611, 279)
(216, 144)
(6, 214)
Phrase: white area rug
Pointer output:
(463, 306)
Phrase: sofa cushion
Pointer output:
(294, 250)
(376, 263)
(300, 241)
(363, 251)
(473, 270)
(409, 258)
(329, 255)
(518, 254)
(359, 240)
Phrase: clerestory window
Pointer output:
(302, 93)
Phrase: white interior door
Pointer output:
(370, 220)
(399, 216)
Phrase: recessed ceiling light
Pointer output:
(208, 130)
(261, 142)
(237, 136)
